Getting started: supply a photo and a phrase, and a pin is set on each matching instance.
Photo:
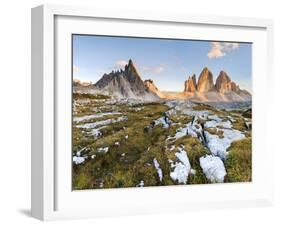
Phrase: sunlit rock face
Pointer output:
(190, 84)
(205, 81)
(224, 84)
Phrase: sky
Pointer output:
(167, 62)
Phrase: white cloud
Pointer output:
(121, 63)
(154, 70)
(220, 49)
(76, 68)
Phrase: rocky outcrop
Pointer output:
(224, 84)
(225, 90)
(205, 81)
(125, 83)
(190, 84)
(150, 85)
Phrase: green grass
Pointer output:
(77, 96)
(130, 162)
(247, 113)
(239, 124)
(239, 161)
(136, 165)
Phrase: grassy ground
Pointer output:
(134, 144)
(239, 161)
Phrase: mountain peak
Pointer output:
(223, 75)
(130, 62)
(190, 84)
(126, 83)
(131, 72)
(130, 65)
(205, 69)
(205, 81)
(224, 83)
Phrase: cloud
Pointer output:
(76, 68)
(153, 70)
(220, 49)
(121, 63)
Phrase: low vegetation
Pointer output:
(239, 161)
(123, 153)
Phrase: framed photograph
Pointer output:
(137, 112)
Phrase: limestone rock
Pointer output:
(205, 81)
(224, 84)
(190, 84)
(125, 83)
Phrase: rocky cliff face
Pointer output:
(205, 90)
(190, 84)
(150, 85)
(125, 83)
(224, 84)
(205, 81)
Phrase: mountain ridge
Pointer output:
(127, 83)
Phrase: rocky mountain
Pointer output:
(224, 83)
(224, 89)
(150, 85)
(190, 84)
(205, 81)
(125, 83)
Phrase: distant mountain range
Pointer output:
(127, 83)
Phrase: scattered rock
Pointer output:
(93, 156)
(141, 184)
(181, 169)
(213, 168)
(158, 169)
(78, 160)
(103, 150)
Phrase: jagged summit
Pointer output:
(190, 84)
(125, 83)
(205, 81)
(131, 71)
(205, 90)
(224, 83)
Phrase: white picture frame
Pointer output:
(53, 199)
